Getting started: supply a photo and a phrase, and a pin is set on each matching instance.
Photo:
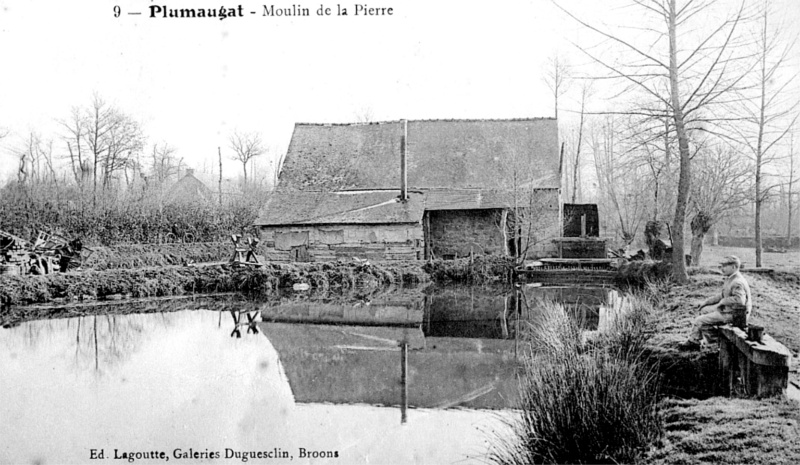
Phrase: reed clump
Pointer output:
(585, 401)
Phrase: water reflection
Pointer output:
(217, 378)
(493, 312)
(179, 380)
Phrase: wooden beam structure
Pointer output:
(759, 369)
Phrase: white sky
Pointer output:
(191, 82)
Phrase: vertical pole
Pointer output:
(404, 382)
(219, 152)
(518, 311)
(403, 163)
(583, 225)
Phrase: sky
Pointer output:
(192, 82)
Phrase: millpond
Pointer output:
(407, 375)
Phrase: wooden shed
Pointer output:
(325, 226)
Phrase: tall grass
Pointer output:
(585, 403)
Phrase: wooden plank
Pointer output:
(727, 360)
(770, 380)
(768, 352)
(577, 261)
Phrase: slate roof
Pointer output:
(468, 199)
(347, 207)
(454, 154)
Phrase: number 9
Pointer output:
(117, 11)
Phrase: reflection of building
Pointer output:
(353, 365)
(414, 189)
(584, 304)
(462, 346)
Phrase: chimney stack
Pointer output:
(404, 162)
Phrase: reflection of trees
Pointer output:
(105, 341)
(104, 335)
(101, 340)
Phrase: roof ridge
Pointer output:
(434, 120)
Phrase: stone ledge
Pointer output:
(768, 352)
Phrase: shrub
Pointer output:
(584, 403)
(637, 274)
(120, 216)
(481, 269)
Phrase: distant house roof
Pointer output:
(347, 207)
(190, 189)
(455, 154)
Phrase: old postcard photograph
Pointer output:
(399, 232)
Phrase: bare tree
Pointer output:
(793, 178)
(682, 81)
(98, 121)
(164, 164)
(124, 139)
(767, 111)
(101, 140)
(654, 155)
(75, 138)
(246, 146)
(585, 92)
(364, 115)
(556, 77)
(621, 190)
(720, 187)
(527, 222)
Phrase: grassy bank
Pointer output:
(729, 431)
(702, 428)
(182, 280)
(579, 400)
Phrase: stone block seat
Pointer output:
(756, 369)
(749, 368)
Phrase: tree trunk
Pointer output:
(701, 224)
(759, 247)
(697, 247)
(576, 167)
(789, 226)
(679, 273)
(789, 196)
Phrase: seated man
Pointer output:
(716, 310)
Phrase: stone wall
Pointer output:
(545, 220)
(456, 233)
(767, 241)
(333, 242)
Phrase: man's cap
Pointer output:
(731, 260)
